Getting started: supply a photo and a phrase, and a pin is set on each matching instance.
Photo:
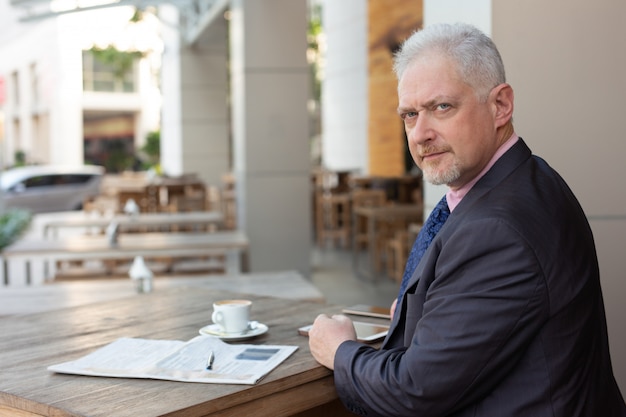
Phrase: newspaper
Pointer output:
(180, 361)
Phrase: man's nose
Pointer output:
(421, 131)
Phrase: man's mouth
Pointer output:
(431, 155)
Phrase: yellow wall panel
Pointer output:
(389, 24)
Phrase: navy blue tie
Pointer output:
(427, 233)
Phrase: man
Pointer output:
(503, 315)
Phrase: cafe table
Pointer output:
(381, 220)
(30, 343)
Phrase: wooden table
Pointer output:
(52, 222)
(389, 216)
(30, 343)
(37, 256)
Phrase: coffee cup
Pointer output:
(233, 316)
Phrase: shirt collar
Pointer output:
(454, 197)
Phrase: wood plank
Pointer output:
(31, 343)
(14, 412)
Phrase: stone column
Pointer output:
(195, 137)
(270, 89)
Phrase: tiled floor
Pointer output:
(333, 274)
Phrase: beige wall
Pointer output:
(566, 62)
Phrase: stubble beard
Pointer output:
(439, 172)
(437, 176)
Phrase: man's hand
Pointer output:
(392, 309)
(327, 334)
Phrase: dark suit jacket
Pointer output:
(503, 315)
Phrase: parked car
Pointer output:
(47, 188)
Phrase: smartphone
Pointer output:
(369, 311)
(365, 332)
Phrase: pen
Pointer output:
(209, 361)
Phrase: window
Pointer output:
(52, 179)
(34, 82)
(39, 181)
(15, 80)
(72, 179)
(109, 70)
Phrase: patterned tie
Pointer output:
(434, 222)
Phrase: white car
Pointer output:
(48, 188)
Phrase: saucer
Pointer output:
(214, 330)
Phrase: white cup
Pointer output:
(233, 316)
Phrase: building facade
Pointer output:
(79, 88)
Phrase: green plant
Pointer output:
(137, 15)
(152, 147)
(314, 32)
(151, 150)
(119, 156)
(12, 225)
(20, 158)
(120, 62)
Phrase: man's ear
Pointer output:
(502, 99)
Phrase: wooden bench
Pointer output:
(32, 261)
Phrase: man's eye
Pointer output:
(443, 106)
(408, 115)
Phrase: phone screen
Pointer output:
(368, 332)
(368, 310)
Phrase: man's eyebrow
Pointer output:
(403, 109)
(427, 105)
(438, 100)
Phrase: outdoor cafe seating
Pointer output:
(370, 213)
(184, 213)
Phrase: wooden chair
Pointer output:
(146, 199)
(332, 214)
(229, 208)
(333, 218)
(365, 197)
(372, 197)
(213, 199)
(150, 203)
(397, 250)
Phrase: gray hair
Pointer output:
(478, 61)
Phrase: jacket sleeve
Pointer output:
(484, 297)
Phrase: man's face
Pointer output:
(451, 133)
